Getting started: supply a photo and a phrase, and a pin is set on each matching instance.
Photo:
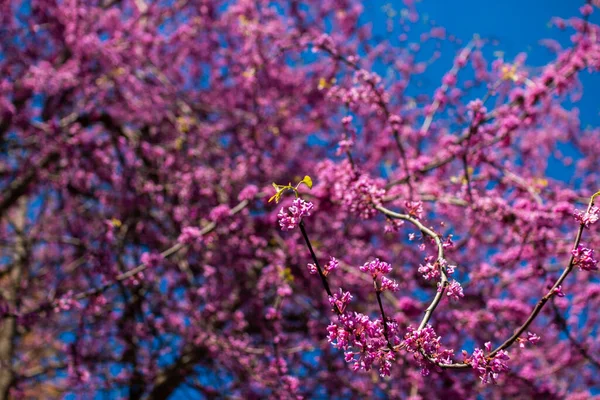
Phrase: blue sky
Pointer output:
(512, 27)
(519, 25)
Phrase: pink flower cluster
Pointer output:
(290, 218)
(488, 368)
(362, 197)
(426, 348)
(532, 338)
(389, 284)
(340, 300)
(584, 259)
(66, 302)
(376, 268)
(332, 265)
(477, 112)
(248, 193)
(219, 213)
(414, 208)
(454, 290)
(151, 260)
(587, 217)
(358, 193)
(363, 341)
(431, 270)
(189, 235)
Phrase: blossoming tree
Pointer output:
(256, 199)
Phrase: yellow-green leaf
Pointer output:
(307, 181)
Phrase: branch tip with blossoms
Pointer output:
(556, 289)
(440, 263)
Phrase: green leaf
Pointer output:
(307, 181)
(277, 195)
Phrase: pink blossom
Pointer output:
(219, 213)
(151, 260)
(389, 284)
(583, 257)
(362, 197)
(414, 208)
(558, 291)
(454, 290)
(532, 338)
(340, 300)
(248, 193)
(430, 270)
(189, 235)
(586, 10)
(427, 341)
(290, 218)
(587, 218)
(312, 269)
(332, 265)
(376, 268)
(488, 369)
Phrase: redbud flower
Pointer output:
(586, 10)
(290, 219)
(414, 208)
(189, 235)
(429, 270)
(448, 243)
(426, 340)
(332, 265)
(66, 302)
(587, 218)
(151, 259)
(359, 336)
(558, 291)
(362, 197)
(449, 79)
(454, 291)
(393, 225)
(476, 111)
(248, 193)
(312, 269)
(489, 369)
(341, 300)
(219, 213)
(584, 259)
(444, 264)
(531, 338)
(324, 41)
(389, 284)
(345, 145)
(376, 267)
(347, 120)
(395, 121)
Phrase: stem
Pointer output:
(383, 317)
(316, 261)
(440, 260)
